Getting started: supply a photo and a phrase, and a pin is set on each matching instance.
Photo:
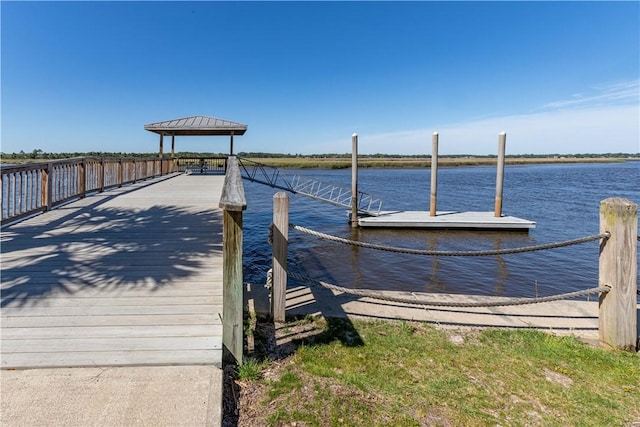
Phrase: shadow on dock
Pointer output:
(89, 247)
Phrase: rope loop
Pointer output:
(586, 239)
(510, 302)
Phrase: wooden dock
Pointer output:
(446, 220)
(130, 276)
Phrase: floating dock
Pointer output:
(446, 220)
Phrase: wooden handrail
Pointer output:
(37, 187)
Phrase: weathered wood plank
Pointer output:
(125, 300)
(129, 276)
(139, 310)
(131, 320)
(67, 289)
(39, 345)
(50, 332)
(112, 358)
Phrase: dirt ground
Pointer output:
(276, 343)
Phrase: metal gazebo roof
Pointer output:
(196, 126)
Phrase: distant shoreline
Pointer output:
(381, 163)
(331, 162)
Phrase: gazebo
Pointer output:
(195, 126)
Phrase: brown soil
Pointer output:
(243, 401)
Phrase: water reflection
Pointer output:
(555, 196)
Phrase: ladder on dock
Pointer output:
(313, 188)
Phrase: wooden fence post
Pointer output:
(232, 202)
(618, 317)
(280, 247)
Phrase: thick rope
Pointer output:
(451, 253)
(378, 295)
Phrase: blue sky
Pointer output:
(558, 77)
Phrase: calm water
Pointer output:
(562, 199)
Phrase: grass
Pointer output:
(406, 374)
(411, 162)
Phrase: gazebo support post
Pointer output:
(231, 144)
(173, 146)
(160, 148)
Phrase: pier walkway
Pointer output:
(131, 277)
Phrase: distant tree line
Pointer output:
(38, 154)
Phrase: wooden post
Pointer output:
(102, 175)
(160, 148)
(135, 170)
(434, 175)
(280, 245)
(354, 180)
(231, 144)
(173, 146)
(82, 178)
(47, 187)
(120, 173)
(232, 202)
(618, 316)
(502, 139)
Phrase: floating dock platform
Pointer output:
(446, 220)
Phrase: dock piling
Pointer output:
(434, 175)
(354, 180)
(502, 140)
(618, 315)
(280, 248)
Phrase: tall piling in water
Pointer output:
(354, 180)
(502, 141)
(434, 175)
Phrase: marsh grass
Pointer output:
(416, 162)
(405, 373)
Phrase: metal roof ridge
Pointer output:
(194, 118)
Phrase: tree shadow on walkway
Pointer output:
(95, 250)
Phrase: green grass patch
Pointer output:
(404, 373)
(250, 370)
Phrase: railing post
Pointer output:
(279, 260)
(135, 171)
(232, 202)
(120, 173)
(82, 178)
(618, 317)
(48, 195)
(101, 176)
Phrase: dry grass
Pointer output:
(410, 162)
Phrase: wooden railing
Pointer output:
(38, 187)
(201, 164)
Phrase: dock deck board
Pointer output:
(131, 276)
(445, 219)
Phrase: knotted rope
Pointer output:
(586, 239)
(380, 296)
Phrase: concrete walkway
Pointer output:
(126, 396)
